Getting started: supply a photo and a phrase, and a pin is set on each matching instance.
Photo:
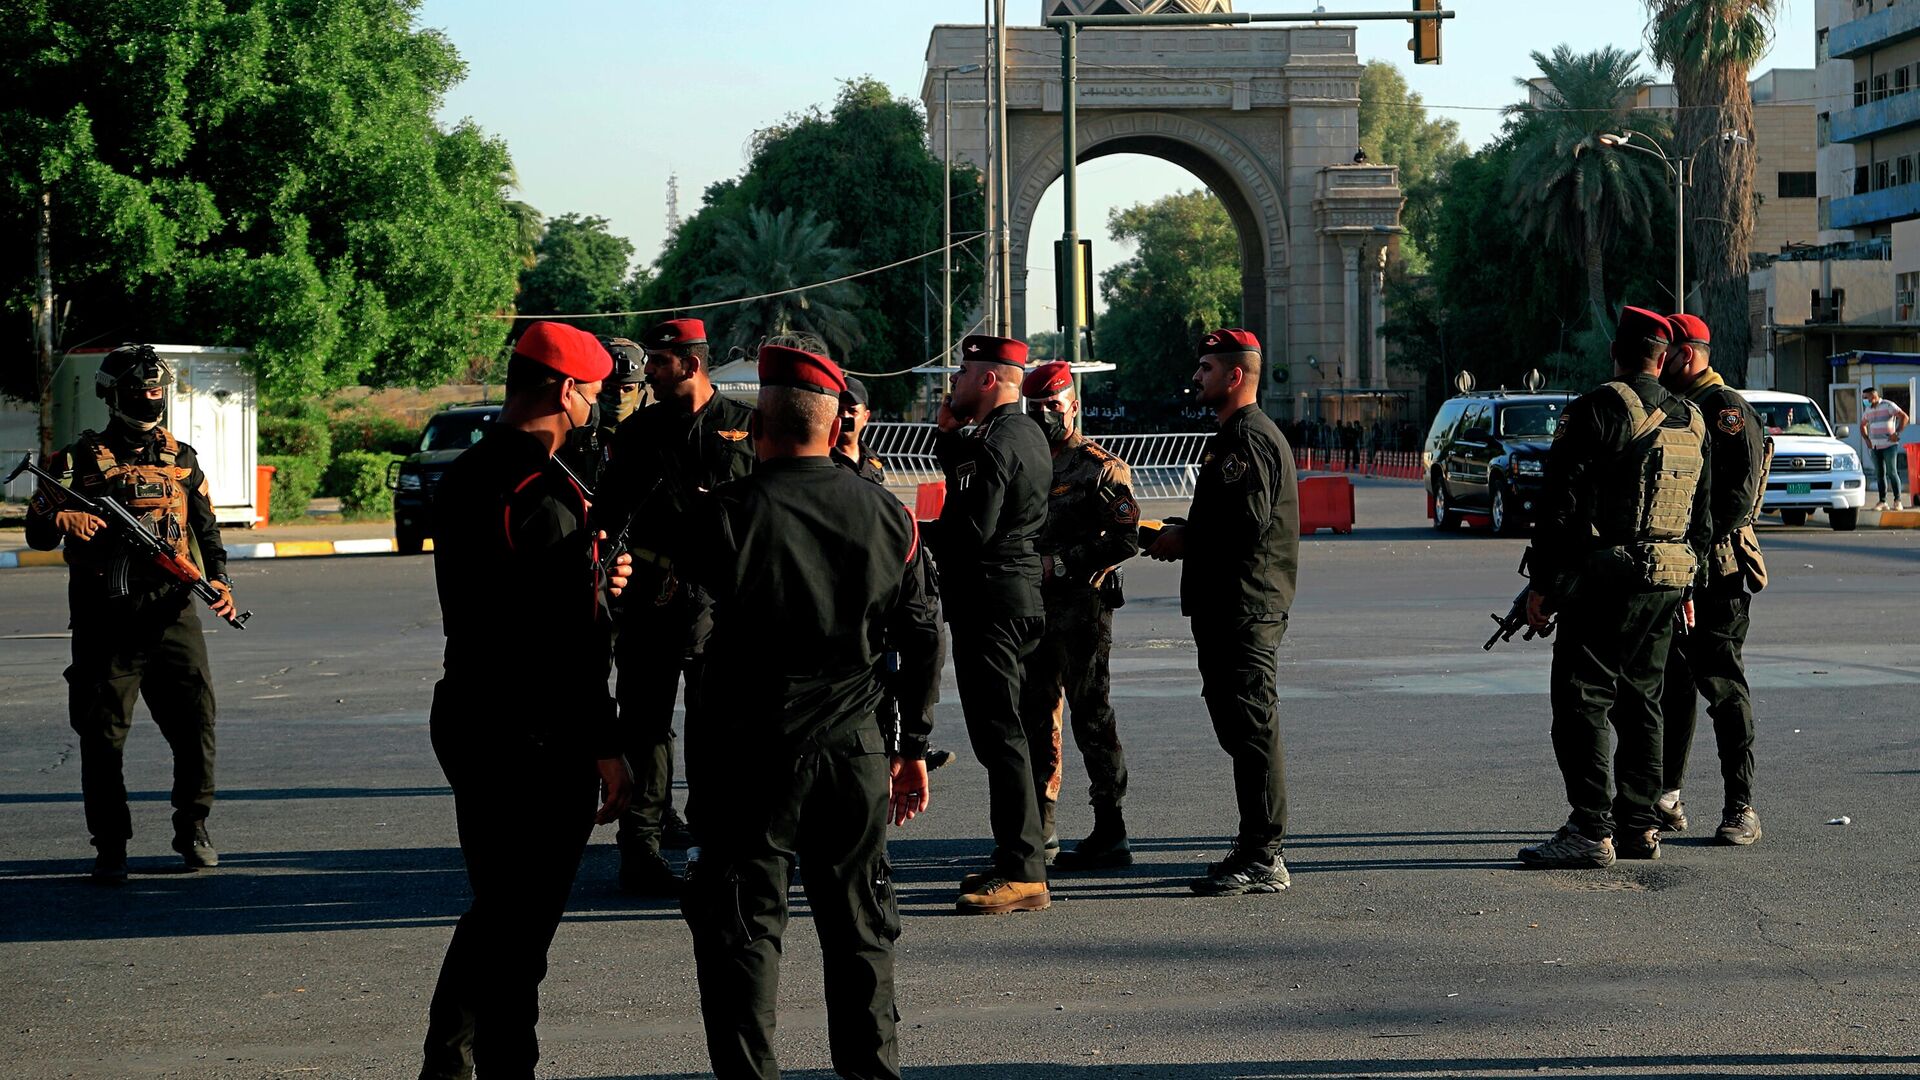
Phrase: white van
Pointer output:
(1812, 469)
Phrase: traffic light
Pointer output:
(1425, 42)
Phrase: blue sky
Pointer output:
(600, 100)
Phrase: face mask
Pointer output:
(1053, 423)
(581, 447)
(138, 411)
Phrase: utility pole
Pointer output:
(1003, 243)
(989, 302)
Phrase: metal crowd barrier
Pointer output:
(1164, 466)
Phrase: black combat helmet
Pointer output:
(125, 376)
(628, 361)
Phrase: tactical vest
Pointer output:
(1645, 496)
(155, 493)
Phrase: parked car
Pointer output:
(447, 436)
(1812, 469)
(1485, 453)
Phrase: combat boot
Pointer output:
(645, 872)
(937, 758)
(1568, 850)
(1739, 826)
(110, 863)
(674, 834)
(1105, 848)
(1671, 812)
(195, 847)
(997, 895)
(1637, 844)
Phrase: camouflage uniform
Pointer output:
(1093, 525)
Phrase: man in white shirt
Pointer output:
(1880, 424)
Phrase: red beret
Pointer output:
(1639, 324)
(993, 350)
(1691, 328)
(674, 333)
(1047, 380)
(566, 349)
(1230, 340)
(801, 370)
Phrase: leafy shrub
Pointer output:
(294, 481)
(359, 477)
(363, 429)
(302, 437)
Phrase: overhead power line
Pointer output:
(748, 299)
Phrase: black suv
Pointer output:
(1485, 453)
(447, 436)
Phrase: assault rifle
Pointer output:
(133, 534)
(1516, 617)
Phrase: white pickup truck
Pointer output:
(1812, 470)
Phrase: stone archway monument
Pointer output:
(1266, 116)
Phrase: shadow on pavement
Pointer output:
(243, 794)
(273, 893)
(1589, 1068)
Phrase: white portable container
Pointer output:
(212, 406)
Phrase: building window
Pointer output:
(1905, 286)
(1861, 174)
(1859, 93)
(1879, 87)
(1820, 128)
(1882, 175)
(1903, 169)
(1797, 185)
(1901, 79)
(1820, 46)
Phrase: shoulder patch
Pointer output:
(1232, 468)
(1126, 512)
(1731, 421)
(963, 474)
(1060, 489)
(731, 434)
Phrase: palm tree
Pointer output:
(770, 252)
(529, 224)
(1564, 189)
(1712, 45)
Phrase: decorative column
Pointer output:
(1349, 310)
(1376, 314)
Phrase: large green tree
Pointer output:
(1569, 190)
(1396, 130)
(265, 173)
(580, 267)
(1183, 277)
(864, 166)
(771, 256)
(1712, 45)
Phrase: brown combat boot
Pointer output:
(1637, 844)
(996, 895)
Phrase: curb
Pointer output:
(283, 549)
(1899, 519)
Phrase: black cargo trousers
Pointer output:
(824, 807)
(1609, 668)
(1706, 662)
(125, 650)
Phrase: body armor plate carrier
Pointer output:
(1646, 496)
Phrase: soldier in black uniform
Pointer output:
(807, 566)
(996, 505)
(690, 440)
(1093, 525)
(1623, 534)
(1706, 661)
(848, 451)
(1241, 557)
(521, 720)
(135, 633)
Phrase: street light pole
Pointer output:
(1677, 167)
(1069, 182)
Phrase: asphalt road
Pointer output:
(1410, 945)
